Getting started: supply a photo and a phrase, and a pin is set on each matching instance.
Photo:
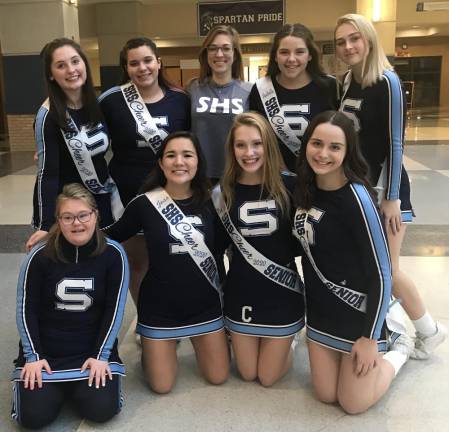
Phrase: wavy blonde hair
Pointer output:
(272, 166)
(375, 61)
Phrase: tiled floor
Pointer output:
(418, 399)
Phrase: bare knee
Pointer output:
(353, 405)
(161, 387)
(161, 384)
(247, 374)
(217, 377)
(326, 395)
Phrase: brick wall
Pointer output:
(21, 133)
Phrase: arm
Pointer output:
(116, 290)
(371, 243)
(393, 114)
(129, 224)
(48, 137)
(29, 286)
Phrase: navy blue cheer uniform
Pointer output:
(349, 247)
(175, 298)
(133, 159)
(68, 312)
(379, 113)
(298, 108)
(253, 304)
(56, 167)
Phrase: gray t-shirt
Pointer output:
(213, 109)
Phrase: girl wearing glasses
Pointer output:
(218, 94)
(373, 99)
(295, 89)
(180, 294)
(71, 296)
(71, 137)
(140, 113)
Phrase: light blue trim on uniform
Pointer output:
(264, 330)
(407, 216)
(15, 411)
(114, 89)
(396, 111)
(338, 344)
(29, 351)
(39, 137)
(111, 336)
(180, 332)
(380, 254)
(70, 374)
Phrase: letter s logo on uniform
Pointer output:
(72, 293)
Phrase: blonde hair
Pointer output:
(273, 163)
(72, 191)
(237, 65)
(375, 61)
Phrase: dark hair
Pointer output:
(200, 183)
(133, 43)
(237, 65)
(314, 67)
(354, 165)
(73, 191)
(57, 97)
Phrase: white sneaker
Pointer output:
(403, 344)
(425, 345)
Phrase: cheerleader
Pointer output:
(263, 302)
(373, 99)
(180, 293)
(71, 297)
(347, 272)
(140, 114)
(294, 90)
(218, 95)
(71, 137)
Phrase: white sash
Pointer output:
(346, 84)
(355, 299)
(187, 234)
(146, 125)
(279, 274)
(272, 110)
(75, 140)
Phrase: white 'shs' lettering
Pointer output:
(225, 106)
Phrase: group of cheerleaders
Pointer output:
(295, 165)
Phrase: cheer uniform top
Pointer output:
(213, 109)
(70, 311)
(56, 167)
(133, 159)
(349, 248)
(253, 304)
(175, 299)
(378, 113)
(298, 108)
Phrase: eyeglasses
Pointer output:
(225, 49)
(69, 219)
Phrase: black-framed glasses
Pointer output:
(69, 218)
(225, 49)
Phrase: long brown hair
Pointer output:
(133, 43)
(72, 191)
(273, 163)
(237, 65)
(354, 165)
(57, 97)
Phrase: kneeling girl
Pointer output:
(347, 269)
(263, 304)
